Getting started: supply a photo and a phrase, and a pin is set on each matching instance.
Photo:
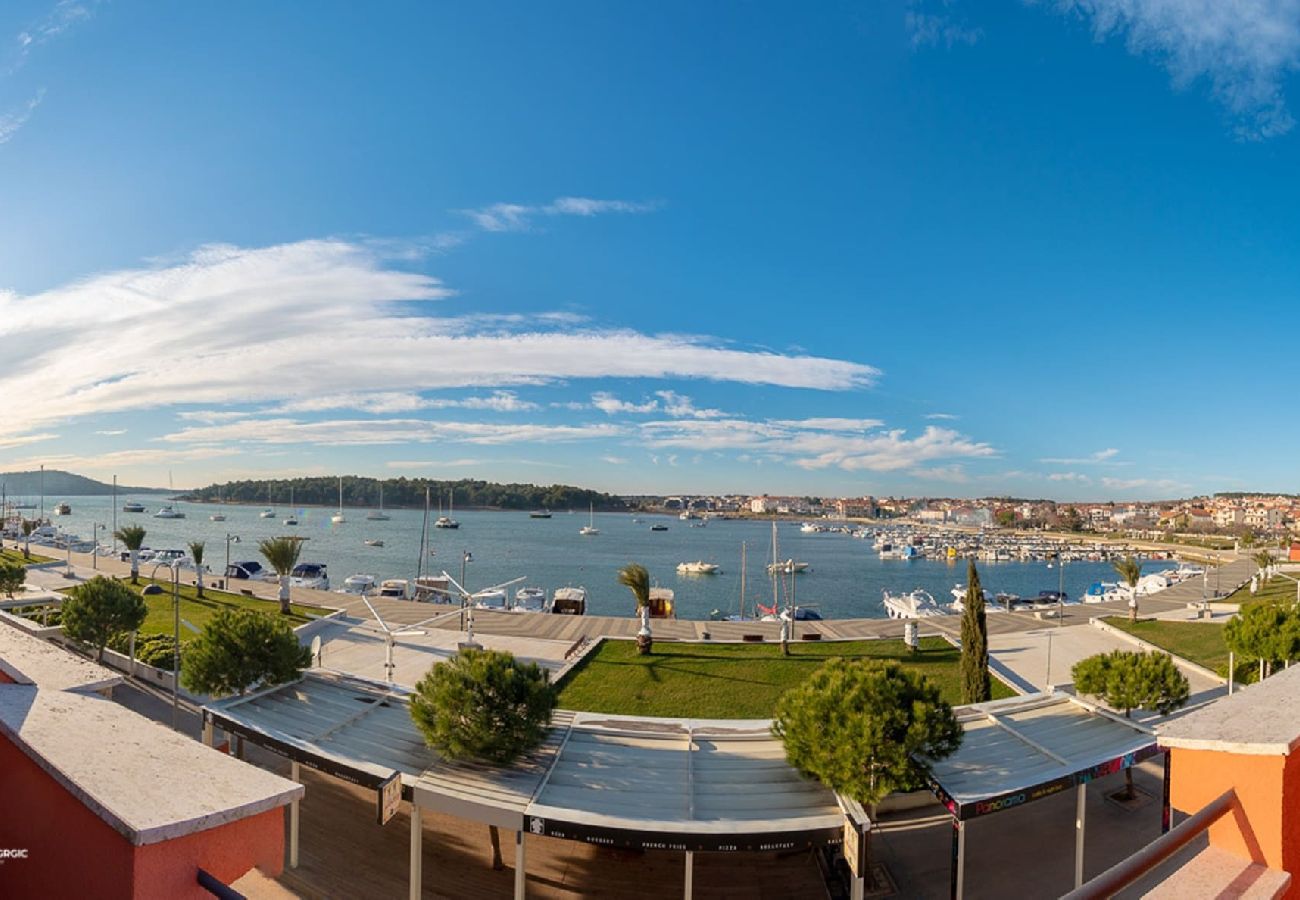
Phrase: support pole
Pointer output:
(1166, 817)
(295, 775)
(521, 871)
(209, 732)
(1081, 808)
(958, 858)
(689, 890)
(857, 887)
(417, 853)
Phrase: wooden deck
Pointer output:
(344, 853)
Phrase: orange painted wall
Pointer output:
(74, 853)
(1266, 829)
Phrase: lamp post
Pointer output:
(1060, 594)
(230, 538)
(176, 636)
(94, 539)
(465, 557)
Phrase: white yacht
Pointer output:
(590, 527)
(532, 600)
(337, 518)
(959, 599)
(395, 589)
(266, 514)
(378, 515)
(569, 601)
(917, 604)
(218, 517)
(168, 512)
(373, 542)
(789, 565)
(133, 506)
(361, 585)
(291, 519)
(310, 575)
(699, 567)
(493, 599)
(447, 521)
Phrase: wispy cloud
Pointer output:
(385, 403)
(937, 25)
(1146, 484)
(12, 122)
(363, 432)
(670, 403)
(1106, 456)
(308, 319)
(945, 474)
(111, 432)
(520, 216)
(1077, 477)
(943, 417)
(1244, 49)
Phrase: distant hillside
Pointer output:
(62, 484)
(409, 492)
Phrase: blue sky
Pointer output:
(951, 248)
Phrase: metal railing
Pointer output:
(217, 888)
(1124, 873)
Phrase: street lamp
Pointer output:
(230, 538)
(176, 635)
(465, 557)
(94, 539)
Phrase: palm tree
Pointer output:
(196, 554)
(637, 580)
(1265, 561)
(29, 525)
(132, 537)
(282, 553)
(1130, 571)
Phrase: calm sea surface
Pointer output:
(845, 581)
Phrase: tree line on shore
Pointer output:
(408, 492)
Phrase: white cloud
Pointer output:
(831, 424)
(680, 407)
(1244, 49)
(615, 460)
(23, 440)
(111, 432)
(12, 122)
(812, 448)
(669, 402)
(1106, 456)
(385, 403)
(946, 417)
(1078, 477)
(947, 474)
(518, 216)
(611, 405)
(326, 318)
(938, 28)
(362, 432)
(1129, 484)
(434, 463)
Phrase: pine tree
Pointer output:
(975, 684)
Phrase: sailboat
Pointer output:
(337, 518)
(447, 521)
(269, 512)
(590, 527)
(218, 516)
(291, 519)
(378, 515)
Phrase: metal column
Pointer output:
(417, 852)
(295, 776)
(690, 876)
(958, 858)
(1166, 814)
(1081, 808)
(521, 872)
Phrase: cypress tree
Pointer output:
(975, 685)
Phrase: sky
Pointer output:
(936, 248)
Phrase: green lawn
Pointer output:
(1278, 588)
(197, 612)
(1200, 642)
(17, 556)
(732, 681)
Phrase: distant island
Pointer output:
(406, 492)
(62, 484)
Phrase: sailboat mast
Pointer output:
(742, 580)
(424, 536)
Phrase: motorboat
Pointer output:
(310, 575)
(432, 589)
(133, 506)
(1106, 592)
(62, 509)
(540, 514)
(373, 542)
(493, 599)
(699, 567)
(532, 600)
(266, 514)
(917, 604)
(959, 598)
(169, 557)
(801, 614)
(168, 512)
(661, 603)
(1150, 584)
(811, 528)
(789, 565)
(361, 585)
(394, 589)
(218, 517)
(251, 570)
(569, 601)
(688, 515)
(378, 515)
(658, 526)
